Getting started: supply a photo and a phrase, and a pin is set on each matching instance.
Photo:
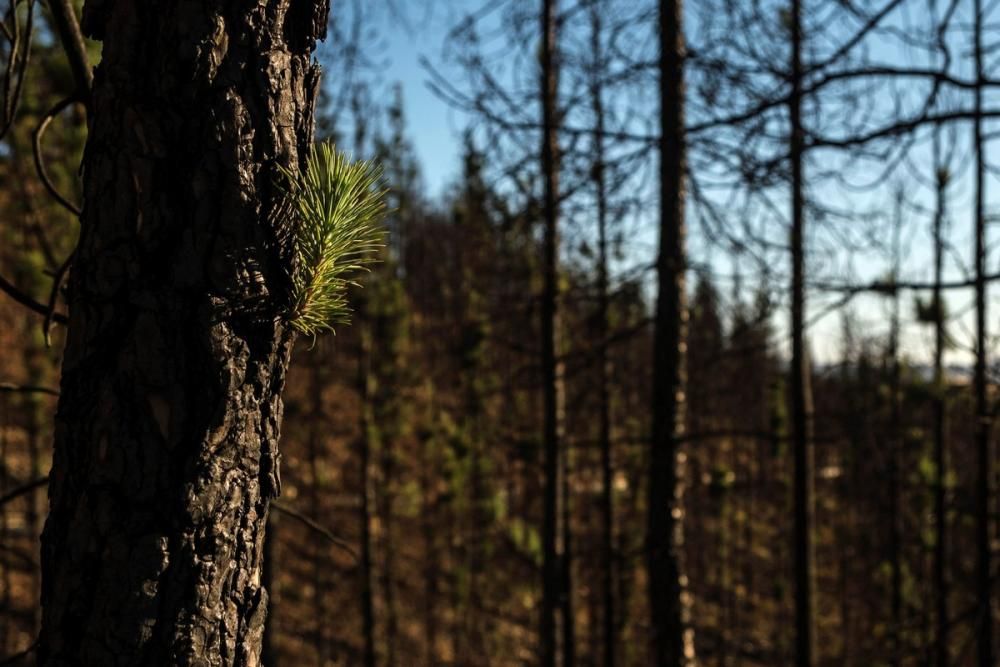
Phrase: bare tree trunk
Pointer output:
(566, 571)
(984, 584)
(431, 556)
(386, 501)
(603, 361)
(320, 562)
(895, 446)
(940, 420)
(166, 436)
(802, 417)
(6, 600)
(552, 579)
(364, 389)
(672, 642)
(364, 446)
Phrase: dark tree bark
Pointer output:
(269, 650)
(166, 437)
(552, 576)
(895, 453)
(566, 562)
(603, 362)
(364, 515)
(320, 564)
(672, 643)
(984, 458)
(431, 553)
(385, 506)
(802, 414)
(940, 417)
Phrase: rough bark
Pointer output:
(269, 644)
(672, 643)
(166, 437)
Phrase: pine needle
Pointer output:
(340, 204)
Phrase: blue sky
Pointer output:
(434, 128)
(435, 132)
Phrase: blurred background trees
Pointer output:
(486, 467)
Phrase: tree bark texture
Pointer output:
(166, 434)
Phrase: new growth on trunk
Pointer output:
(166, 437)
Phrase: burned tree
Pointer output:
(166, 436)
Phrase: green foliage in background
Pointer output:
(340, 204)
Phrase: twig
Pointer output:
(22, 490)
(57, 283)
(36, 147)
(312, 525)
(64, 17)
(11, 388)
(25, 300)
(890, 287)
(11, 98)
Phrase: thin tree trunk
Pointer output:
(603, 361)
(940, 420)
(6, 601)
(166, 436)
(802, 426)
(387, 503)
(364, 447)
(672, 642)
(431, 555)
(568, 617)
(364, 444)
(320, 564)
(479, 498)
(984, 585)
(895, 446)
(552, 580)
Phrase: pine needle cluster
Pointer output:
(339, 204)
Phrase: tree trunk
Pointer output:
(895, 452)
(321, 564)
(802, 417)
(566, 590)
(603, 361)
(940, 416)
(364, 446)
(269, 651)
(984, 585)
(432, 561)
(166, 435)
(385, 503)
(552, 579)
(672, 642)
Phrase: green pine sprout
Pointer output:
(340, 204)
